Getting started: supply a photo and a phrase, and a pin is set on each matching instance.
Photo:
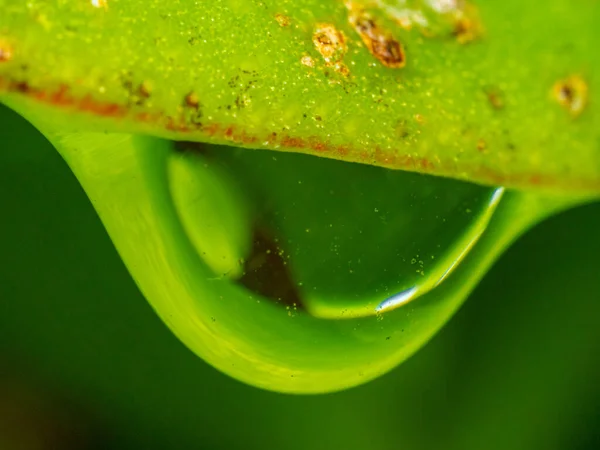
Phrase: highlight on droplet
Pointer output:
(397, 299)
(494, 200)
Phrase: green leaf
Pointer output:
(241, 332)
(518, 366)
(502, 93)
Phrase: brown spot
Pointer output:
(61, 97)
(6, 52)
(330, 42)
(292, 142)
(318, 145)
(419, 119)
(495, 98)
(283, 20)
(572, 94)
(145, 89)
(386, 159)
(192, 109)
(192, 100)
(342, 69)
(342, 150)
(147, 117)
(467, 25)
(136, 94)
(246, 138)
(382, 46)
(481, 145)
(212, 129)
(241, 101)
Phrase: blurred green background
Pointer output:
(86, 364)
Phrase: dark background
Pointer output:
(85, 362)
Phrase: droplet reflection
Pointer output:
(397, 300)
(348, 240)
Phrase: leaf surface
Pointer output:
(500, 93)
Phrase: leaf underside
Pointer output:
(501, 93)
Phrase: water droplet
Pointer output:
(341, 260)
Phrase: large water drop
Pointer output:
(343, 240)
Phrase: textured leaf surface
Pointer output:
(495, 92)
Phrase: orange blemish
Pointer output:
(293, 142)
(318, 145)
(467, 24)
(382, 45)
(572, 94)
(179, 126)
(6, 52)
(330, 42)
(87, 104)
(144, 117)
(61, 97)
(229, 132)
(212, 129)
(283, 20)
(495, 98)
(247, 138)
(192, 100)
(481, 145)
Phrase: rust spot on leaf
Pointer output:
(191, 109)
(495, 98)
(432, 18)
(293, 142)
(137, 94)
(307, 61)
(330, 42)
(381, 44)
(572, 94)
(342, 69)
(481, 145)
(61, 97)
(283, 20)
(192, 100)
(6, 52)
(467, 24)
(318, 145)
